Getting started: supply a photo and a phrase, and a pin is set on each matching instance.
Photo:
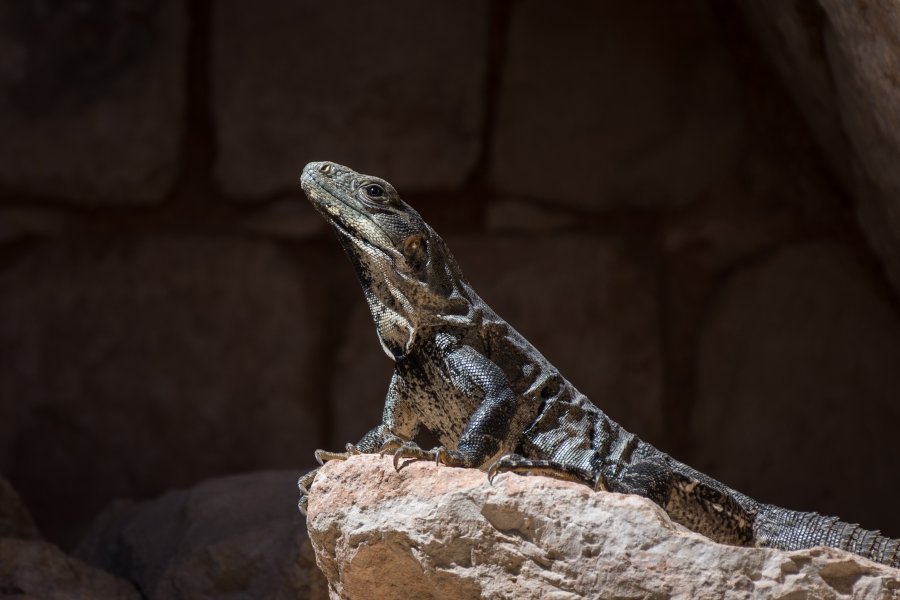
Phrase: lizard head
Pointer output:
(407, 274)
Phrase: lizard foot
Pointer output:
(304, 484)
(412, 451)
(514, 463)
(323, 456)
(391, 445)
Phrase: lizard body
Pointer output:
(496, 403)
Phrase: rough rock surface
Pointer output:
(238, 537)
(15, 521)
(32, 569)
(140, 365)
(437, 532)
(841, 61)
(800, 354)
(286, 90)
(605, 342)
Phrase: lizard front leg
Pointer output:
(398, 423)
(488, 429)
(379, 437)
(482, 439)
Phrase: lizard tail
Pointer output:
(784, 529)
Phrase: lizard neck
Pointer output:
(406, 308)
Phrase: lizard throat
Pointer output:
(349, 220)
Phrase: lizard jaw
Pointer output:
(351, 221)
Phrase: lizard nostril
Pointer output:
(325, 169)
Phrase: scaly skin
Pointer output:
(494, 401)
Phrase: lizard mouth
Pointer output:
(348, 221)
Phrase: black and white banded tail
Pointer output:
(784, 529)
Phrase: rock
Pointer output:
(398, 95)
(798, 377)
(235, 537)
(840, 60)
(91, 99)
(15, 521)
(435, 532)
(791, 35)
(863, 46)
(284, 218)
(359, 379)
(509, 215)
(648, 112)
(139, 364)
(20, 223)
(605, 340)
(33, 569)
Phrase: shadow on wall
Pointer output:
(631, 185)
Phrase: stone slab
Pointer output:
(619, 104)
(798, 377)
(91, 99)
(235, 538)
(391, 88)
(15, 520)
(31, 569)
(840, 61)
(131, 365)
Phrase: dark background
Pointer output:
(684, 205)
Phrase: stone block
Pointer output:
(134, 365)
(840, 61)
(799, 369)
(791, 36)
(19, 223)
(284, 218)
(615, 104)
(91, 99)
(863, 48)
(230, 538)
(15, 520)
(392, 88)
(31, 569)
(359, 380)
(510, 216)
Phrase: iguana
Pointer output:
(497, 404)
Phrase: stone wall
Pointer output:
(631, 185)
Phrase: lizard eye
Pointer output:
(377, 193)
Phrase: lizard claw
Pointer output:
(515, 463)
(493, 470)
(411, 450)
(396, 461)
(507, 462)
(390, 446)
(304, 484)
(323, 456)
